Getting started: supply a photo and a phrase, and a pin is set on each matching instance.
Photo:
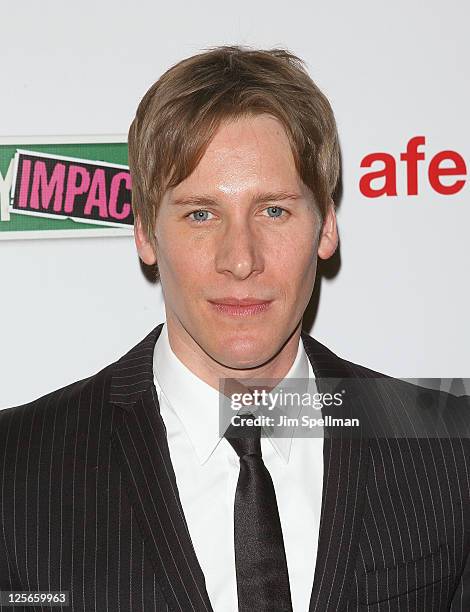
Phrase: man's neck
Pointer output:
(210, 371)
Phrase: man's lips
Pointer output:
(240, 306)
(233, 301)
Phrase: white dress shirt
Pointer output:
(207, 467)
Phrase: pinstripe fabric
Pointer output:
(89, 504)
(395, 524)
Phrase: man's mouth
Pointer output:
(240, 307)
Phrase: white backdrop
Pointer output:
(399, 302)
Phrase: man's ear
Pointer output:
(328, 241)
(144, 247)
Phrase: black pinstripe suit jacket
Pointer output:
(89, 504)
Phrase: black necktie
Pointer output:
(260, 558)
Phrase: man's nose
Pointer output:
(239, 250)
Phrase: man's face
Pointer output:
(242, 225)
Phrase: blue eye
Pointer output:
(277, 210)
(201, 215)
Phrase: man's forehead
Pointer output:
(256, 164)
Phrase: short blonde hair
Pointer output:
(181, 112)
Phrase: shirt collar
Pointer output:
(196, 403)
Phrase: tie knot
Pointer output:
(244, 436)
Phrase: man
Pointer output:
(122, 490)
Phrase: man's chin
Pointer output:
(244, 352)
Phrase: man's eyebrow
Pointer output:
(269, 196)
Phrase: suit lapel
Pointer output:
(141, 449)
(345, 461)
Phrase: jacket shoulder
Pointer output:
(26, 419)
(106, 386)
(438, 400)
(422, 409)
